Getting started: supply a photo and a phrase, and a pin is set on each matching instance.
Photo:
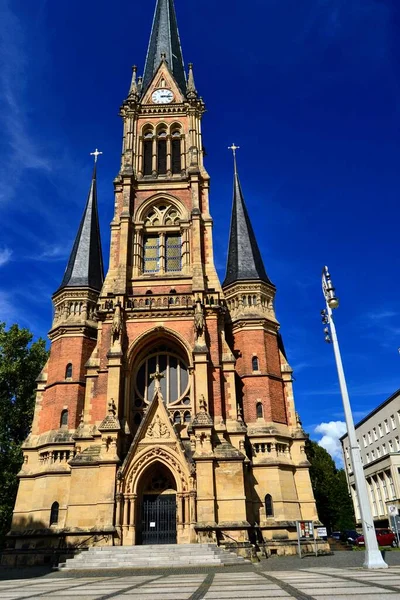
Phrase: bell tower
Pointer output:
(175, 386)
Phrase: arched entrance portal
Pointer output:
(157, 506)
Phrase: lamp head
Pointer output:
(333, 302)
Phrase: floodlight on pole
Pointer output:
(373, 556)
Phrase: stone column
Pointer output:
(154, 161)
(169, 160)
(125, 517)
(162, 258)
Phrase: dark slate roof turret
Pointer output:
(85, 265)
(244, 257)
(165, 39)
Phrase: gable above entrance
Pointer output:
(156, 441)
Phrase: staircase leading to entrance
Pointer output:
(137, 557)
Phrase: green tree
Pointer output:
(334, 505)
(21, 361)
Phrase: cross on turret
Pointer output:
(234, 148)
(96, 154)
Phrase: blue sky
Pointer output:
(310, 92)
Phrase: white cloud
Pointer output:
(53, 253)
(380, 315)
(5, 256)
(331, 433)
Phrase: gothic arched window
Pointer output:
(162, 241)
(68, 371)
(259, 409)
(255, 364)
(269, 506)
(54, 513)
(64, 419)
(148, 153)
(162, 153)
(174, 381)
(176, 152)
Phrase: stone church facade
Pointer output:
(165, 413)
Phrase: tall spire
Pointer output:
(85, 265)
(164, 40)
(244, 257)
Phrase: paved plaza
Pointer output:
(303, 582)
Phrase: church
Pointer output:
(165, 413)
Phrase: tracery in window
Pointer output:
(174, 383)
(162, 241)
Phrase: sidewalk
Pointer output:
(303, 579)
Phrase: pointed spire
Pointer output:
(85, 265)
(133, 90)
(164, 40)
(244, 257)
(191, 86)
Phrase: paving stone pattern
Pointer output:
(317, 583)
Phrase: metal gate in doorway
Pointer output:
(159, 519)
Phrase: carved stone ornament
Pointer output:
(117, 324)
(199, 323)
(110, 423)
(202, 419)
(163, 456)
(158, 429)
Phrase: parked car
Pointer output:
(336, 535)
(385, 537)
(349, 536)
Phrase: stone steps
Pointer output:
(144, 557)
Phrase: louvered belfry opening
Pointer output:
(148, 156)
(176, 155)
(162, 156)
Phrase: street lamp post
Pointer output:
(373, 556)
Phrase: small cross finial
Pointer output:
(96, 154)
(234, 148)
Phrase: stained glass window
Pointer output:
(173, 253)
(174, 383)
(151, 254)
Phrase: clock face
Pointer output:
(162, 96)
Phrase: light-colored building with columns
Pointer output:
(378, 435)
